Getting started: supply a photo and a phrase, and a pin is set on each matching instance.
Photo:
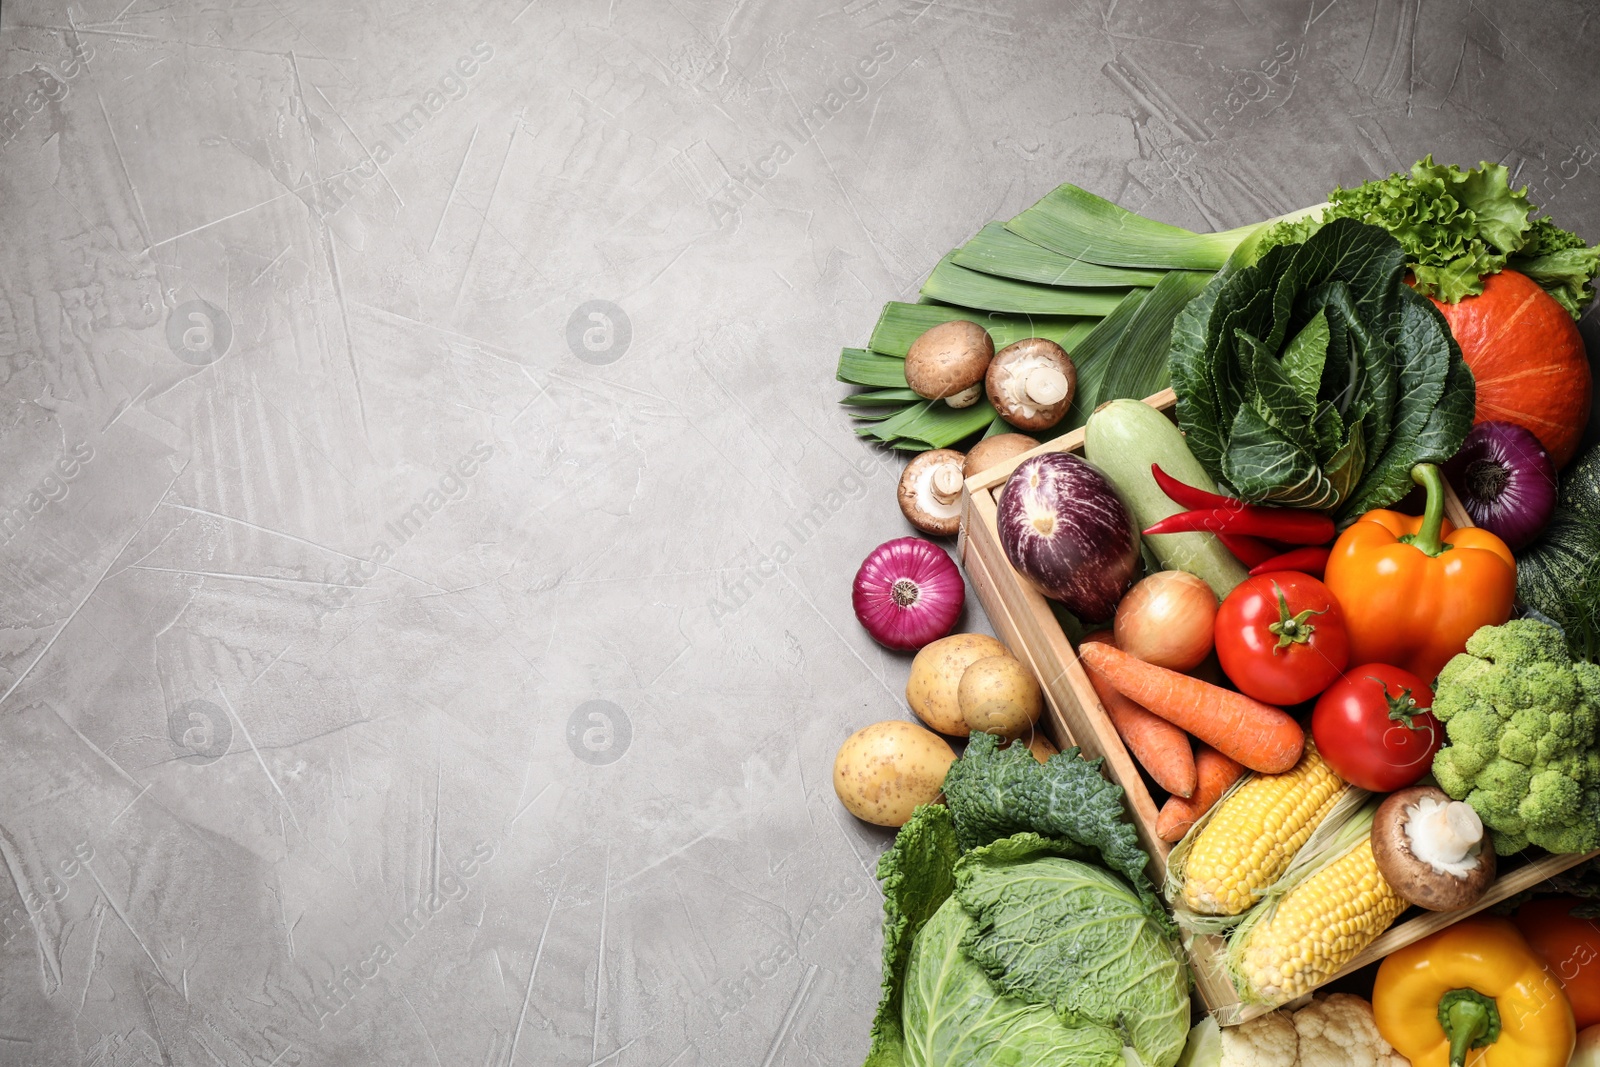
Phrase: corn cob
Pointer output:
(1319, 926)
(1250, 840)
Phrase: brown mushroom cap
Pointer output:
(930, 491)
(993, 451)
(1031, 383)
(948, 359)
(1414, 879)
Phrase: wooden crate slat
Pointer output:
(1066, 687)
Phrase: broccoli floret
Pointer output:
(1520, 718)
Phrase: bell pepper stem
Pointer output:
(1470, 1020)
(1429, 539)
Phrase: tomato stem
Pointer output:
(1291, 629)
(1402, 707)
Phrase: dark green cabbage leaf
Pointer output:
(995, 792)
(1316, 378)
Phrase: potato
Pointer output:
(998, 695)
(885, 770)
(936, 677)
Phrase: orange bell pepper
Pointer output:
(1473, 993)
(1413, 589)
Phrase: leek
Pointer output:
(1139, 367)
(996, 250)
(952, 284)
(857, 366)
(1093, 357)
(900, 324)
(940, 425)
(1078, 224)
(1097, 279)
(881, 398)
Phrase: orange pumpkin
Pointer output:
(1527, 359)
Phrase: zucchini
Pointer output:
(1123, 439)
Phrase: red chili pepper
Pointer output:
(1293, 526)
(1248, 550)
(1312, 561)
(1187, 495)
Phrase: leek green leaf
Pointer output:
(1139, 367)
(1080, 225)
(881, 398)
(861, 367)
(952, 284)
(996, 250)
(1092, 357)
(900, 324)
(939, 425)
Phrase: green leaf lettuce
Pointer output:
(1459, 226)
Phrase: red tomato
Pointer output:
(1570, 947)
(1281, 637)
(1374, 729)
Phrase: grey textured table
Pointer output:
(427, 524)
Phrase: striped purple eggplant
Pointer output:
(1064, 528)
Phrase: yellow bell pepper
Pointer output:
(1473, 995)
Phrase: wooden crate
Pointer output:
(1023, 619)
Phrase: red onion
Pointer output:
(908, 593)
(1064, 528)
(1506, 480)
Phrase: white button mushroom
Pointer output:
(1431, 849)
(1031, 383)
(930, 491)
(948, 362)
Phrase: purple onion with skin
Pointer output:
(1064, 528)
(1506, 481)
(908, 593)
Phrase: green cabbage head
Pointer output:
(1036, 959)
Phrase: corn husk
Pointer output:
(1339, 815)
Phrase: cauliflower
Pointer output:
(1520, 717)
(1331, 1031)
(1338, 1030)
(1268, 1041)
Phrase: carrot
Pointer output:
(1216, 773)
(1258, 735)
(1160, 747)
